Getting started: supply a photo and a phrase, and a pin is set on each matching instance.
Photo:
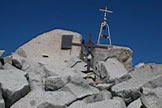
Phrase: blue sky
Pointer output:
(135, 23)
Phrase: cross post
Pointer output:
(89, 46)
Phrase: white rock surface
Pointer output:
(111, 69)
(50, 43)
(14, 85)
(123, 54)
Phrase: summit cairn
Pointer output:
(58, 69)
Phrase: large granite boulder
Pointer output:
(14, 85)
(123, 54)
(42, 99)
(110, 70)
(147, 76)
(152, 98)
(46, 48)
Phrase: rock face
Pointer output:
(49, 44)
(14, 85)
(123, 54)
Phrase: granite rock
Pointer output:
(14, 85)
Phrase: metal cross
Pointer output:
(106, 11)
(89, 46)
(104, 25)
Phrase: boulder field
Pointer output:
(40, 74)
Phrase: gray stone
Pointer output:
(2, 103)
(121, 101)
(16, 64)
(77, 64)
(152, 97)
(49, 105)
(104, 86)
(35, 81)
(112, 103)
(14, 85)
(7, 66)
(151, 101)
(110, 70)
(0, 65)
(123, 54)
(102, 95)
(53, 83)
(39, 98)
(80, 88)
(149, 76)
(135, 104)
(64, 72)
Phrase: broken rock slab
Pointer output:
(110, 70)
(80, 88)
(14, 85)
(64, 72)
(39, 98)
(130, 90)
(123, 54)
